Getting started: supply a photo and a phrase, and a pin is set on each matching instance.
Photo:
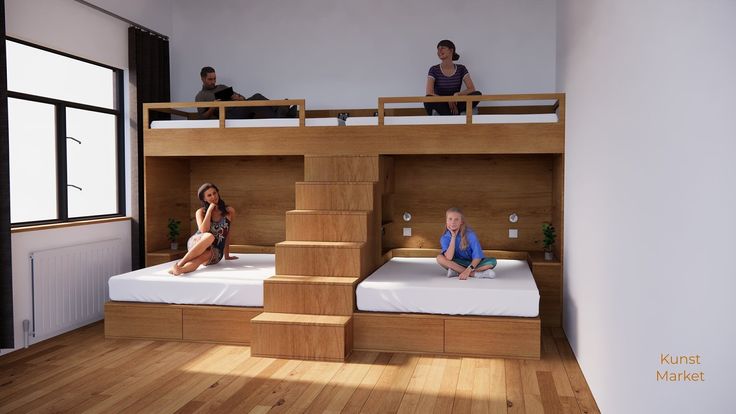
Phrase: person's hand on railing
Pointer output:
(453, 105)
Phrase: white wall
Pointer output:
(154, 15)
(68, 27)
(650, 206)
(346, 53)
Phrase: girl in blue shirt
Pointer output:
(462, 254)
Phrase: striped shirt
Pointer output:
(447, 85)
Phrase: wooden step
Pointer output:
(328, 225)
(337, 196)
(317, 295)
(289, 335)
(313, 258)
(341, 168)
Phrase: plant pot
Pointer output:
(174, 246)
(549, 256)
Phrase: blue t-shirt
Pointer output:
(474, 251)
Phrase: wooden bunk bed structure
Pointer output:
(329, 202)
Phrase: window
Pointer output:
(66, 141)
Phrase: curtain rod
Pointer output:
(130, 22)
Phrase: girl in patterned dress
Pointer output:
(211, 242)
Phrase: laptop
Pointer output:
(225, 94)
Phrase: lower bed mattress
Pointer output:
(420, 285)
(229, 283)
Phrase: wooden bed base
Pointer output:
(485, 336)
(505, 337)
(193, 323)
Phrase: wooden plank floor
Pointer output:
(82, 372)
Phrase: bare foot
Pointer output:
(176, 270)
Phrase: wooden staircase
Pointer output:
(332, 242)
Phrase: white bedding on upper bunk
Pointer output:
(515, 118)
(194, 123)
(406, 120)
(453, 119)
(420, 285)
(229, 283)
(246, 123)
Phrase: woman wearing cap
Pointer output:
(446, 79)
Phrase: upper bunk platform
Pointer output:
(511, 124)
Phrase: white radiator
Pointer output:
(69, 285)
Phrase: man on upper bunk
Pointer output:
(446, 79)
(211, 91)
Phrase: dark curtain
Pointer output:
(6, 270)
(148, 58)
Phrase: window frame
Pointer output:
(60, 107)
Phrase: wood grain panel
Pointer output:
(345, 170)
(166, 196)
(321, 259)
(487, 188)
(251, 248)
(499, 337)
(134, 320)
(358, 140)
(202, 323)
(280, 335)
(387, 188)
(341, 168)
(215, 324)
(386, 172)
(548, 276)
(335, 196)
(163, 256)
(322, 225)
(558, 203)
(389, 333)
(261, 189)
(310, 295)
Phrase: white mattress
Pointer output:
(420, 285)
(452, 119)
(515, 118)
(230, 283)
(246, 123)
(198, 123)
(406, 120)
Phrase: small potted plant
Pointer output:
(174, 232)
(548, 231)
